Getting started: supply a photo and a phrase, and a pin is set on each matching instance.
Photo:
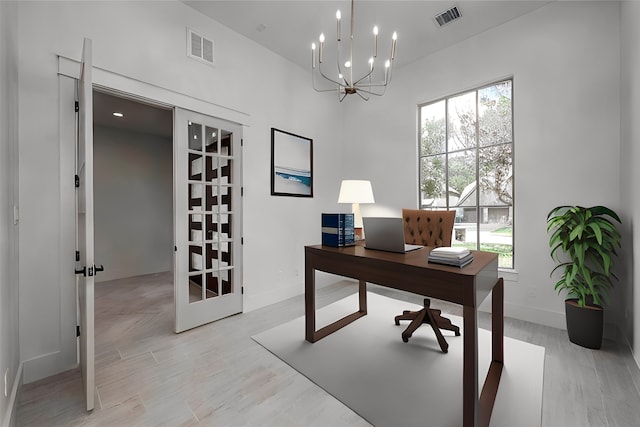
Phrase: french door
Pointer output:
(85, 262)
(207, 219)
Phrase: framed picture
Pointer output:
(291, 164)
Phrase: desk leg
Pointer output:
(497, 321)
(491, 383)
(362, 291)
(470, 367)
(311, 334)
(310, 302)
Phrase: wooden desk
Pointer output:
(411, 272)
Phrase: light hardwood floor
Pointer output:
(216, 375)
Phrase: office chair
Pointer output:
(428, 228)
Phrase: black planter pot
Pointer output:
(584, 324)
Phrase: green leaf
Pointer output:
(589, 238)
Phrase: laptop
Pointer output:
(386, 234)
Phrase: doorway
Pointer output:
(133, 187)
(167, 196)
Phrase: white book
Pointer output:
(450, 252)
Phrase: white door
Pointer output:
(207, 219)
(85, 267)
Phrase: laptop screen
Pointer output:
(385, 234)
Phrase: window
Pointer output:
(466, 165)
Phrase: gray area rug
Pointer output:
(390, 383)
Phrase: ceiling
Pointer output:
(289, 27)
(137, 116)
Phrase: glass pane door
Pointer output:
(207, 179)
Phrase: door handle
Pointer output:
(93, 269)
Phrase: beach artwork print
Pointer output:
(291, 164)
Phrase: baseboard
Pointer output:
(274, 295)
(10, 418)
(283, 292)
(45, 365)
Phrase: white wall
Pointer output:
(565, 63)
(630, 158)
(9, 338)
(146, 41)
(133, 202)
(564, 58)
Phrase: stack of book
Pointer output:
(337, 229)
(457, 257)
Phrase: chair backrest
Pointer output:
(428, 228)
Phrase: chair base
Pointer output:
(430, 316)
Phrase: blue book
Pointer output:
(337, 229)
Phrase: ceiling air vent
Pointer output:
(199, 47)
(447, 16)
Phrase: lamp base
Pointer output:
(359, 234)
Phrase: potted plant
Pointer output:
(583, 241)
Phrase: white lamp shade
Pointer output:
(355, 191)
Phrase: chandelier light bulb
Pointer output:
(321, 38)
(347, 64)
(394, 39)
(375, 41)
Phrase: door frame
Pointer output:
(119, 85)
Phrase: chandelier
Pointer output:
(370, 81)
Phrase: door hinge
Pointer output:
(77, 330)
(77, 181)
(241, 191)
(77, 255)
(242, 240)
(241, 142)
(77, 106)
(175, 249)
(242, 290)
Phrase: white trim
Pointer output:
(113, 81)
(12, 408)
(508, 275)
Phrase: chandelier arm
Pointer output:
(388, 80)
(313, 81)
(362, 96)
(327, 77)
(370, 92)
(346, 83)
(364, 77)
(362, 86)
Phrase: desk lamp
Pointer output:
(356, 192)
